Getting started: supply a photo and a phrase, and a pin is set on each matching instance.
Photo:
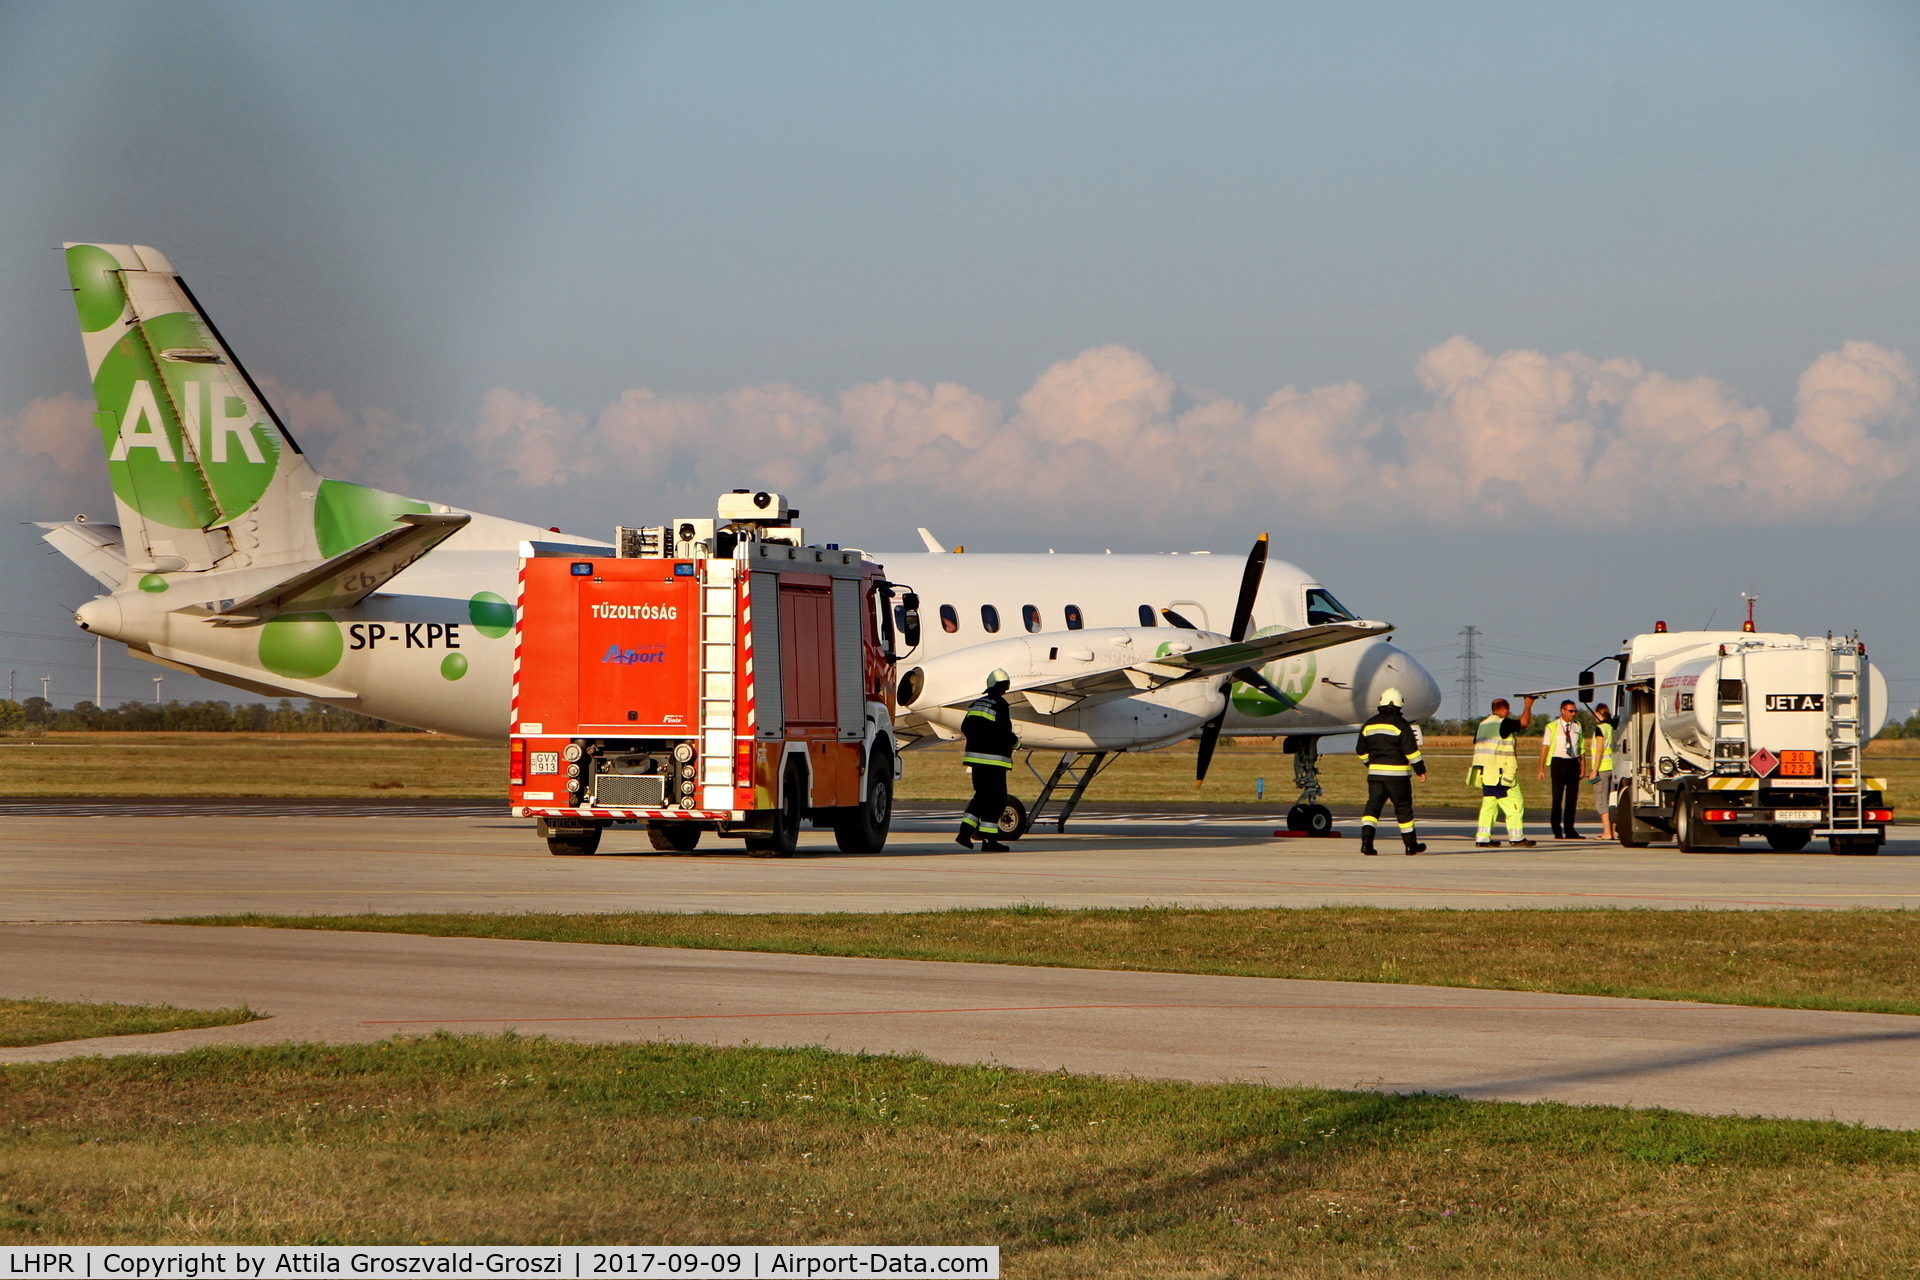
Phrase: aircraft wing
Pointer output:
(1050, 695)
(345, 580)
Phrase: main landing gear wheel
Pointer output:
(570, 842)
(673, 837)
(1013, 820)
(863, 828)
(1314, 819)
(784, 839)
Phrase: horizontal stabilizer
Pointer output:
(97, 548)
(348, 578)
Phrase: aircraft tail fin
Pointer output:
(203, 469)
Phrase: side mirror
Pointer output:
(1586, 687)
(910, 619)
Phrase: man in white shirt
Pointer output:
(1562, 750)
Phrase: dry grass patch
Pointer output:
(24, 1022)
(1859, 960)
(516, 1140)
(399, 766)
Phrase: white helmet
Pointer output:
(998, 676)
(1393, 698)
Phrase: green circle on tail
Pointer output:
(490, 614)
(453, 666)
(96, 289)
(301, 646)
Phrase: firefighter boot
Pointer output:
(1412, 842)
(965, 838)
(993, 846)
(1366, 839)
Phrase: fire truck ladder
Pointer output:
(717, 612)
(1845, 811)
(1076, 770)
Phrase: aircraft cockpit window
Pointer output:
(1030, 615)
(949, 619)
(989, 618)
(1074, 619)
(1322, 608)
(1146, 616)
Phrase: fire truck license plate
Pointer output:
(1796, 815)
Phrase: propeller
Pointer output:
(1242, 624)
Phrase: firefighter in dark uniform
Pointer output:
(1392, 751)
(988, 729)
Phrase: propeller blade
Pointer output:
(1249, 589)
(1209, 738)
(1177, 620)
(1248, 676)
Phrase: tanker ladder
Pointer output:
(1846, 803)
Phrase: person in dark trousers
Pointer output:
(988, 730)
(1563, 751)
(1392, 752)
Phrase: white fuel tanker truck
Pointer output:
(1724, 734)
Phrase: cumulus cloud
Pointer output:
(1105, 441)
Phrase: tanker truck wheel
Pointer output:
(1686, 825)
(1789, 839)
(1625, 829)
(673, 837)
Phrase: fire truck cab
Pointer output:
(707, 676)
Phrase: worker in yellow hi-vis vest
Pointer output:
(1496, 771)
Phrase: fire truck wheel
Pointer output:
(784, 839)
(1847, 846)
(1686, 823)
(573, 843)
(1789, 839)
(863, 828)
(673, 837)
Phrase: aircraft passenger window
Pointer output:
(989, 618)
(1074, 620)
(1322, 608)
(1030, 616)
(949, 620)
(1146, 616)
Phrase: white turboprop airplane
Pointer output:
(234, 560)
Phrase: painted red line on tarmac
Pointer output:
(1663, 1007)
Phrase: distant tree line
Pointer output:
(1908, 728)
(37, 715)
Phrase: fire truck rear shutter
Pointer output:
(847, 658)
(769, 707)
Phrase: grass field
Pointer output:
(425, 766)
(401, 766)
(517, 1140)
(24, 1022)
(1860, 960)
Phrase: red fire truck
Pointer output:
(709, 675)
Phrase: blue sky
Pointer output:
(449, 229)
